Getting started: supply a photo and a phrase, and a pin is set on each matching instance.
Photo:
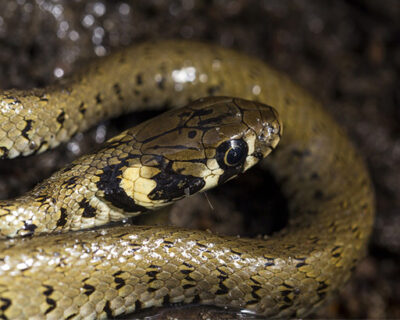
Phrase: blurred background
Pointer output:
(346, 53)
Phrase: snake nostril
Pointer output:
(258, 155)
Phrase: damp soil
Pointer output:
(346, 53)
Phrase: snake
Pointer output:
(56, 261)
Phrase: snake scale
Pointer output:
(106, 272)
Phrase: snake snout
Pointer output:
(264, 130)
(270, 132)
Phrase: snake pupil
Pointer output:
(232, 153)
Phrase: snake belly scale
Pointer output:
(104, 273)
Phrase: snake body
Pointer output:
(104, 273)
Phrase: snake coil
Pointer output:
(104, 273)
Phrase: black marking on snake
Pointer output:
(223, 273)
(145, 99)
(251, 302)
(63, 218)
(152, 273)
(198, 113)
(108, 310)
(178, 128)
(89, 289)
(168, 244)
(213, 121)
(30, 227)
(222, 277)
(52, 305)
(16, 100)
(189, 278)
(192, 134)
(236, 252)
(287, 300)
(70, 183)
(98, 98)
(254, 293)
(132, 250)
(110, 184)
(166, 299)
(196, 299)
(222, 289)
(6, 304)
(321, 290)
(254, 280)
(269, 263)
(139, 79)
(61, 117)
(88, 210)
(121, 235)
(28, 127)
(82, 108)
(49, 290)
(138, 305)
(71, 316)
(301, 264)
(117, 90)
(322, 286)
(203, 247)
(5, 152)
(286, 292)
(172, 185)
(285, 306)
(120, 282)
(186, 271)
(188, 286)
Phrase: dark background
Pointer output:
(344, 52)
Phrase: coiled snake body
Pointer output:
(103, 273)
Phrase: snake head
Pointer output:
(200, 146)
(194, 148)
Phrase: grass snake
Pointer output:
(106, 272)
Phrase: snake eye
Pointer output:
(231, 153)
